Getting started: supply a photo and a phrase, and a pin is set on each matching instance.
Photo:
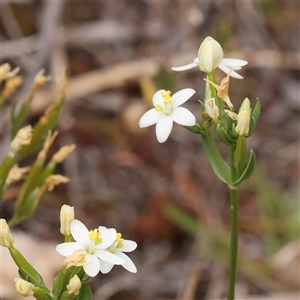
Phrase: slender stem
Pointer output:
(233, 240)
(234, 216)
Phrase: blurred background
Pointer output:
(164, 196)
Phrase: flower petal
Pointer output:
(234, 62)
(93, 265)
(128, 265)
(108, 236)
(183, 117)
(233, 74)
(185, 67)
(105, 267)
(128, 246)
(164, 128)
(67, 249)
(158, 98)
(109, 257)
(79, 232)
(149, 118)
(182, 96)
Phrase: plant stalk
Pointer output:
(234, 217)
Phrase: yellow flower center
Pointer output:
(94, 235)
(119, 240)
(167, 98)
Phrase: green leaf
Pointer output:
(216, 161)
(248, 169)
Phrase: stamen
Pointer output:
(94, 235)
(167, 98)
(119, 240)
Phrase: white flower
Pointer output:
(117, 248)
(94, 243)
(166, 111)
(227, 65)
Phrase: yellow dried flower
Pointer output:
(76, 259)
(48, 142)
(16, 174)
(39, 80)
(54, 180)
(23, 137)
(11, 85)
(222, 90)
(62, 153)
(7, 73)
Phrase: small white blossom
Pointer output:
(117, 248)
(94, 243)
(167, 111)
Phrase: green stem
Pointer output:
(234, 216)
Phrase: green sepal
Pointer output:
(196, 129)
(7, 164)
(85, 292)
(248, 169)
(43, 294)
(254, 117)
(18, 120)
(223, 136)
(240, 154)
(217, 163)
(60, 282)
(26, 270)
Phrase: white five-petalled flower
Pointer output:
(94, 243)
(166, 111)
(117, 248)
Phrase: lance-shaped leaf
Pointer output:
(218, 164)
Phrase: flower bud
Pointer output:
(212, 109)
(24, 287)
(210, 55)
(74, 285)
(6, 239)
(66, 217)
(243, 118)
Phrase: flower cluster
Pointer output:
(166, 107)
(99, 249)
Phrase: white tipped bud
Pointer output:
(210, 55)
